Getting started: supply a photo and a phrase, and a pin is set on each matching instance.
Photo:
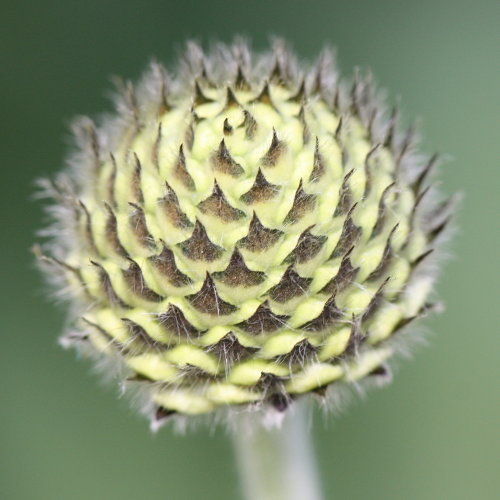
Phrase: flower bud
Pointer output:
(243, 233)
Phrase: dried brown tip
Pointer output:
(300, 95)
(218, 206)
(261, 191)
(135, 281)
(386, 259)
(375, 301)
(269, 382)
(308, 246)
(277, 75)
(107, 287)
(250, 125)
(388, 141)
(303, 203)
(227, 129)
(319, 168)
(161, 416)
(301, 352)
(231, 100)
(380, 222)
(336, 100)
(208, 301)
(405, 146)
(348, 237)
(290, 286)
(425, 173)
(111, 341)
(240, 82)
(435, 233)
(204, 73)
(329, 316)
(175, 323)
(259, 238)
(371, 123)
(111, 232)
(180, 170)
(264, 97)
(137, 332)
(316, 88)
(110, 186)
(356, 339)
(277, 147)
(139, 227)
(238, 274)
(171, 208)
(162, 76)
(155, 154)
(344, 277)
(306, 133)
(136, 181)
(87, 131)
(338, 130)
(189, 133)
(229, 349)
(199, 97)
(199, 247)
(263, 320)
(279, 401)
(354, 94)
(36, 250)
(87, 227)
(223, 162)
(368, 172)
(345, 196)
(165, 264)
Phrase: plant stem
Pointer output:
(277, 464)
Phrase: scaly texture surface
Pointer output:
(244, 233)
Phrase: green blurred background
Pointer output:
(432, 434)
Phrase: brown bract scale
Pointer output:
(244, 232)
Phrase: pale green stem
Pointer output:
(277, 464)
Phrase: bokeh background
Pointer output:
(432, 434)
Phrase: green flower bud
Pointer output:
(244, 233)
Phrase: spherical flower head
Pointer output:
(244, 233)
